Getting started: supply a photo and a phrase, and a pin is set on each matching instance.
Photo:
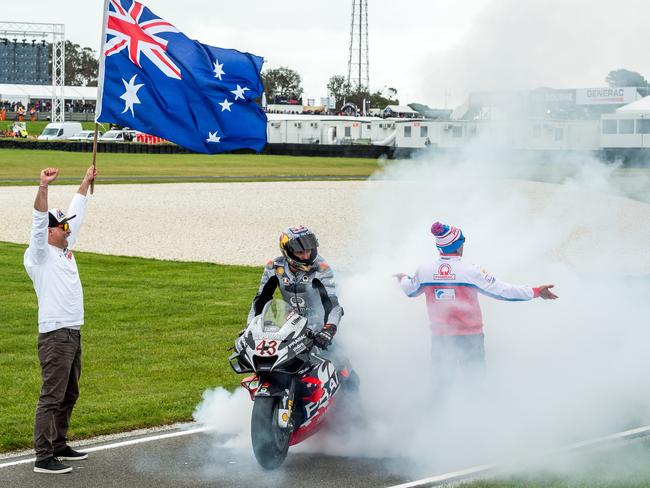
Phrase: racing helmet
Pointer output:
(299, 238)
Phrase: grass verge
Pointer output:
(35, 128)
(17, 164)
(156, 336)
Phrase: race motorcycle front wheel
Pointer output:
(270, 441)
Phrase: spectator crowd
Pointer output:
(20, 112)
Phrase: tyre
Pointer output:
(270, 442)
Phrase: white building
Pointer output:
(316, 129)
(533, 134)
(629, 127)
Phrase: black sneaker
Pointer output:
(69, 454)
(51, 465)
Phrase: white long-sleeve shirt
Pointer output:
(451, 286)
(54, 272)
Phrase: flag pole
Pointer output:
(100, 88)
(92, 183)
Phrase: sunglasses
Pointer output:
(65, 226)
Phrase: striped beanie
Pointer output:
(448, 239)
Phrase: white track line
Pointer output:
(463, 474)
(483, 469)
(114, 445)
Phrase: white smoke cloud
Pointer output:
(227, 415)
(558, 372)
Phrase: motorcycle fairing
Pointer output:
(320, 385)
(269, 347)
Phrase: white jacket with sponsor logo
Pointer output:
(54, 272)
(451, 287)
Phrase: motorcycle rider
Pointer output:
(305, 281)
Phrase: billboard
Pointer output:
(606, 96)
(23, 62)
(552, 96)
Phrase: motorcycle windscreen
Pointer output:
(275, 314)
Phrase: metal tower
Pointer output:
(358, 77)
(55, 34)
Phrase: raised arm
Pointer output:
(78, 206)
(37, 250)
(89, 177)
(48, 175)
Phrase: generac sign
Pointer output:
(606, 95)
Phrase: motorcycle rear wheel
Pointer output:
(270, 441)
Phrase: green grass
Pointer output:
(26, 165)
(35, 128)
(155, 337)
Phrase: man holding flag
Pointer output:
(155, 79)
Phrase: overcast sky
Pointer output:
(432, 51)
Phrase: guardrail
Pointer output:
(634, 157)
(168, 148)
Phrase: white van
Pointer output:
(60, 130)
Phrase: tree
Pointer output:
(379, 100)
(81, 65)
(282, 84)
(623, 77)
(339, 88)
(375, 99)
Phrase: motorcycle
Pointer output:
(292, 386)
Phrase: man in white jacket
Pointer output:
(451, 287)
(52, 268)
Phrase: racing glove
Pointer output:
(324, 338)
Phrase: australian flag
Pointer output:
(155, 79)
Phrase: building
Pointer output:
(317, 129)
(628, 127)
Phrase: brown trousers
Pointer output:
(59, 352)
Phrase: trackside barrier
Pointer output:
(626, 157)
(169, 148)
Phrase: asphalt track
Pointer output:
(182, 458)
(185, 461)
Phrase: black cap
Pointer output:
(57, 217)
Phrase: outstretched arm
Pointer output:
(490, 286)
(494, 288)
(544, 292)
(410, 285)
